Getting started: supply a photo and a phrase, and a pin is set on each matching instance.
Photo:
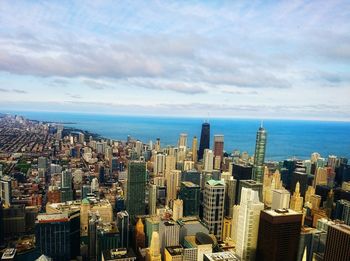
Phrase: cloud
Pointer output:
(19, 91)
(4, 90)
(73, 96)
(97, 85)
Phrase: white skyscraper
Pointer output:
(208, 160)
(214, 197)
(280, 198)
(248, 220)
(172, 184)
(177, 209)
(138, 148)
(159, 164)
(152, 199)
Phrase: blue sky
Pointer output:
(255, 59)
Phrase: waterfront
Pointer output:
(286, 138)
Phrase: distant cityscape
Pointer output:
(67, 194)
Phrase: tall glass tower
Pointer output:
(259, 156)
(205, 139)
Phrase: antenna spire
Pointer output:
(262, 124)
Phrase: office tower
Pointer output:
(321, 177)
(5, 190)
(296, 201)
(101, 174)
(192, 176)
(194, 149)
(94, 185)
(140, 237)
(227, 228)
(280, 199)
(169, 234)
(159, 165)
(177, 209)
(190, 195)
(157, 145)
(183, 140)
(214, 197)
(219, 146)
(58, 235)
(279, 232)
(66, 180)
(136, 182)
(170, 164)
(259, 155)
(172, 185)
(235, 218)
(302, 179)
(248, 220)
(42, 163)
(342, 211)
(123, 223)
(152, 199)
(205, 140)
(337, 244)
(13, 220)
(230, 194)
(152, 224)
(208, 160)
(154, 250)
(256, 186)
(139, 148)
(92, 236)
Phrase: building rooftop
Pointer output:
(190, 184)
(224, 256)
(213, 182)
(281, 212)
(175, 250)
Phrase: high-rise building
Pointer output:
(159, 165)
(66, 180)
(172, 185)
(208, 160)
(169, 234)
(219, 146)
(205, 140)
(259, 155)
(157, 146)
(302, 178)
(337, 244)
(136, 182)
(296, 201)
(140, 237)
(194, 149)
(248, 224)
(280, 198)
(190, 195)
(342, 211)
(230, 194)
(154, 250)
(58, 235)
(138, 148)
(279, 232)
(250, 184)
(214, 198)
(123, 224)
(174, 253)
(152, 199)
(5, 190)
(183, 140)
(177, 209)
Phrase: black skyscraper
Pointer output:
(205, 140)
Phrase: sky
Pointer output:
(246, 59)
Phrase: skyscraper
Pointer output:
(152, 199)
(214, 198)
(248, 220)
(136, 182)
(219, 146)
(58, 235)
(190, 193)
(259, 155)
(337, 244)
(123, 227)
(205, 140)
(279, 232)
(296, 201)
(140, 237)
(183, 140)
(154, 250)
(159, 165)
(208, 160)
(194, 149)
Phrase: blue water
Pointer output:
(286, 138)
